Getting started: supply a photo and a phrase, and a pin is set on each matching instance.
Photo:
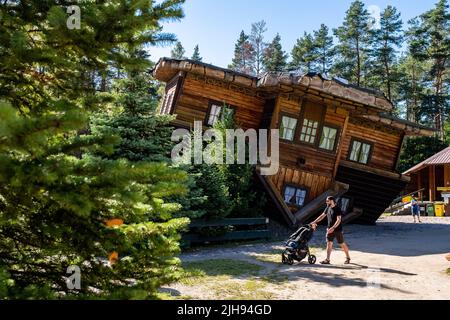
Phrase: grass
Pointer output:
(198, 272)
(248, 290)
(448, 271)
(221, 276)
(273, 256)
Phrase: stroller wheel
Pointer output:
(283, 258)
(290, 260)
(312, 259)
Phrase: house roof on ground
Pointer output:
(439, 158)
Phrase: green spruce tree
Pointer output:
(56, 192)
(304, 54)
(178, 51)
(275, 59)
(196, 55)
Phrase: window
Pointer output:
(218, 112)
(344, 204)
(309, 131)
(214, 114)
(328, 138)
(294, 195)
(287, 128)
(360, 151)
(312, 118)
(166, 107)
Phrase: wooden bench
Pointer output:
(194, 236)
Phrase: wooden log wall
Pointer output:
(197, 92)
(386, 145)
(315, 183)
(316, 160)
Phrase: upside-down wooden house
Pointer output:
(336, 139)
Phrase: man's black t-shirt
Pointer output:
(332, 214)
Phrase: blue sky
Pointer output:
(215, 24)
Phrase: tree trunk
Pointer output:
(358, 64)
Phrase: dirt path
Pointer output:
(394, 260)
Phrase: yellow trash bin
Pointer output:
(439, 209)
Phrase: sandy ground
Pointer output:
(395, 259)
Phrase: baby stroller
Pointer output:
(297, 246)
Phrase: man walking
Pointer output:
(334, 228)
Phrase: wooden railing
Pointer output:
(398, 199)
(397, 202)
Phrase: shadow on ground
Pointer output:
(398, 239)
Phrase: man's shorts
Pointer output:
(336, 234)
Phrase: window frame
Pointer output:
(338, 136)
(350, 204)
(177, 81)
(349, 153)
(296, 187)
(170, 94)
(289, 115)
(222, 104)
(319, 125)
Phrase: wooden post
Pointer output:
(276, 114)
(419, 184)
(341, 144)
(397, 157)
(446, 175)
(432, 183)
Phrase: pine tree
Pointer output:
(257, 41)
(387, 40)
(56, 193)
(196, 55)
(275, 59)
(178, 51)
(411, 86)
(243, 55)
(430, 41)
(417, 149)
(304, 54)
(324, 47)
(354, 40)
